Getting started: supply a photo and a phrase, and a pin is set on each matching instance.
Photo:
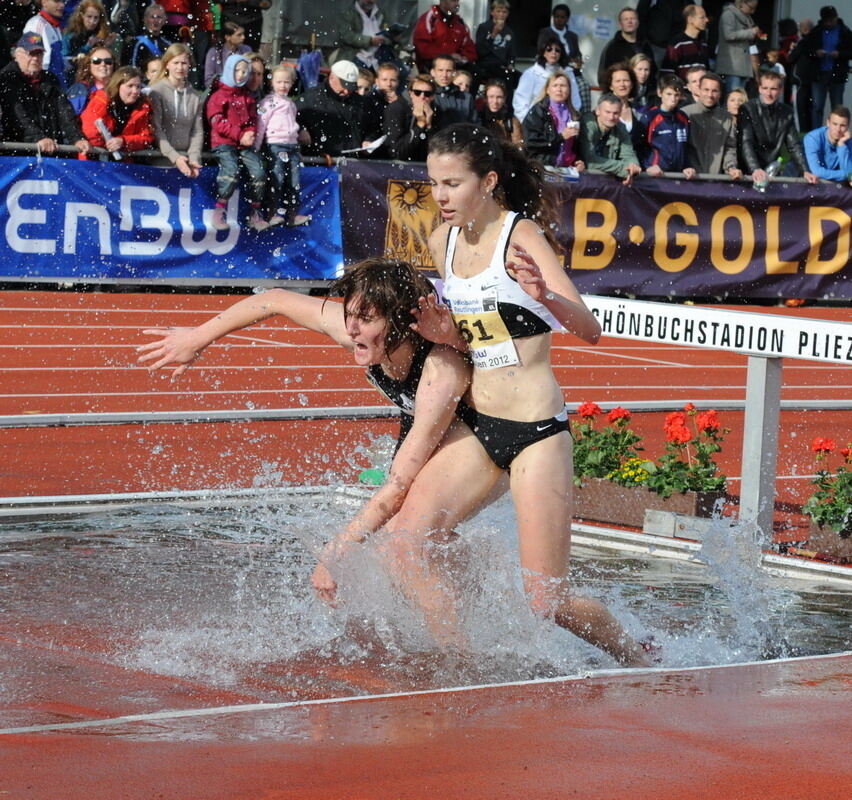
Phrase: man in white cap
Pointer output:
(33, 106)
(332, 112)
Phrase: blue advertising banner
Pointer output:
(660, 237)
(63, 219)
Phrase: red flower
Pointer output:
(823, 444)
(617, 414)
(589, 410)
(707, 421)
(677, 419)
(846, 452)
(678, 434)
(689, 408)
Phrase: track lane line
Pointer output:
(248, 708)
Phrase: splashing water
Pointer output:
(222, 596)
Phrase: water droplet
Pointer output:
(303, 400)
(249, 405)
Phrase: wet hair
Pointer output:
(388, 288)
(521, 186)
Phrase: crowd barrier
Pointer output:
(65, 220)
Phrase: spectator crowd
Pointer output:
(188, 76)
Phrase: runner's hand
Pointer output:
(175, 346)
(433, 321)
(324, 585)
(527, 272)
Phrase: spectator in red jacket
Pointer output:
(232, 113)
(442, 31)
(123, 110)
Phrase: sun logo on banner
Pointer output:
(412, 216)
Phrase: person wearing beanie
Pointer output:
(232, 114)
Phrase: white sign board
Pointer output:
(769, 335)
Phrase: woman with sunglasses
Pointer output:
(410, 127)
(93, 73)
(551, 57)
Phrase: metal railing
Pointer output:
(209, 157)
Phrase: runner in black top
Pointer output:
(374, 321)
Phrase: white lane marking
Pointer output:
(248, 708)
(156, 393)
(206, 367)
(572, 389)
(655, 361)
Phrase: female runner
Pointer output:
(506, 292)
(425, 381)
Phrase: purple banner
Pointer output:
(660, 237)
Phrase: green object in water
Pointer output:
(372, 477)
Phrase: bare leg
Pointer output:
(434, 506)
(542, 491)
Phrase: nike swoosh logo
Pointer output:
(542, 427)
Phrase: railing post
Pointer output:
(760, 441)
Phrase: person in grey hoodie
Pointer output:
(737, 34)
(177, 106)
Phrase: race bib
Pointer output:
(490, 342)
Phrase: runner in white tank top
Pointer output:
(477, 181)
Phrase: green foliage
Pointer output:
(692, 440)
(600, 451)
(687, 464)
(831, 504)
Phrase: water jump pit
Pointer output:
(178, 651)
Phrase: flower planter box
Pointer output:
(827, 542)
(603, 501)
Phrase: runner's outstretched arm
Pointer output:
(182, 346)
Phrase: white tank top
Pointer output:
(490, 308)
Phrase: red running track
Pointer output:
(72, 352)
(771, 730)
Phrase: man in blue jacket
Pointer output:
(827, 149)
